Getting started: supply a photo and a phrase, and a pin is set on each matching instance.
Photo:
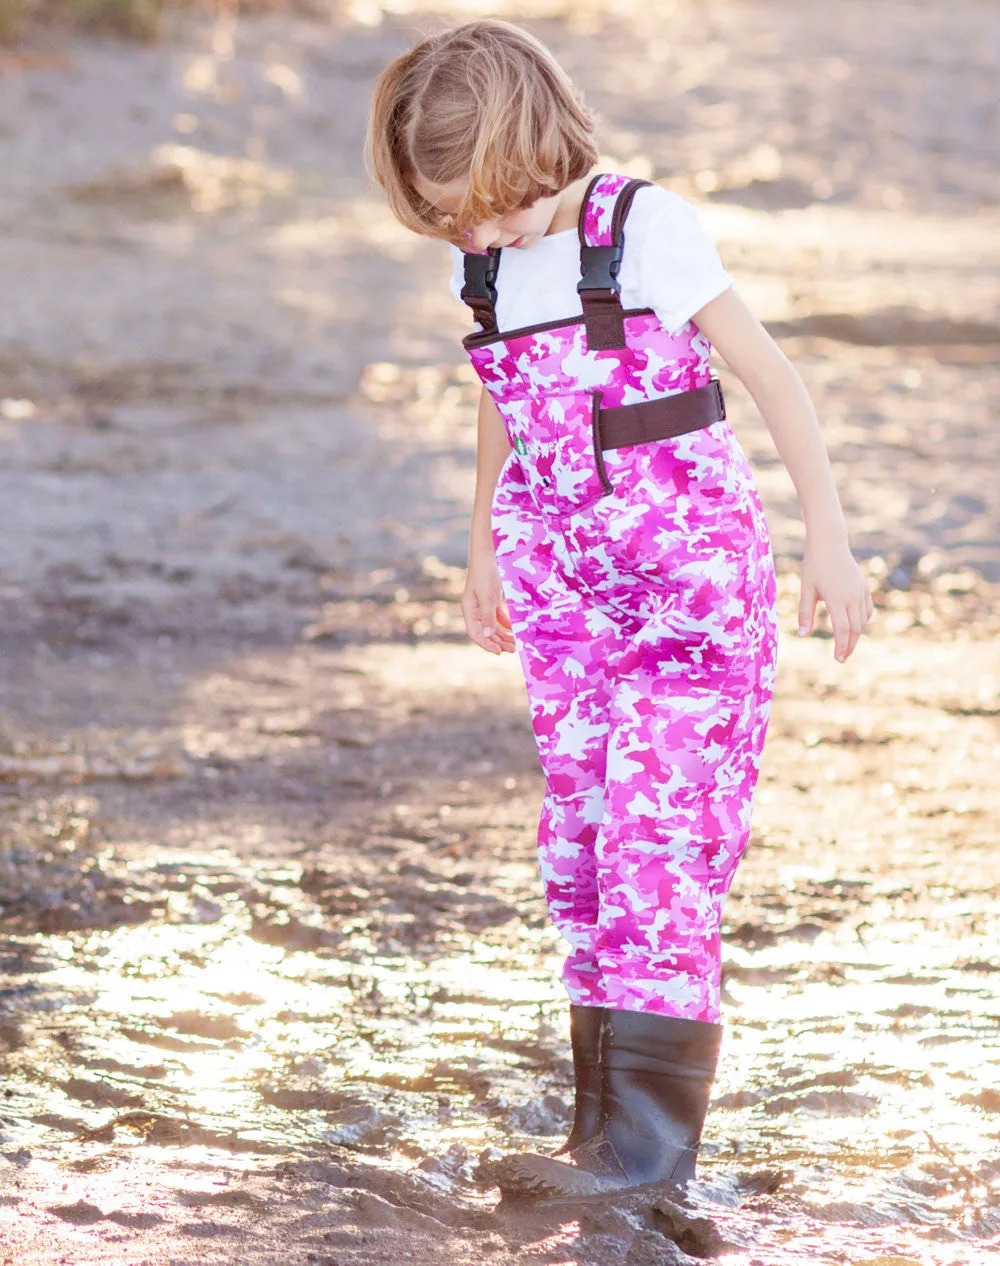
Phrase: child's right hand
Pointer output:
(483, 606)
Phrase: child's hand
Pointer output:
(831, 574)
(485, 612)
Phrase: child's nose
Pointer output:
(484, 235)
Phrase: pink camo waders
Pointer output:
(636, 566)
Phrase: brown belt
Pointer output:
(660, 419)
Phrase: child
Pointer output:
(619, 543)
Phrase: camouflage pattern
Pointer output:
(600, 208)
(646, 626)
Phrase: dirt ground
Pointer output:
(278, 981)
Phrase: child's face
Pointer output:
(519, 229)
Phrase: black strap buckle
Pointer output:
(720, 398)
(480, 275)
(599, 267)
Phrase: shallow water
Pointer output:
(252, 1021)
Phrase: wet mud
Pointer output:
(277, 983)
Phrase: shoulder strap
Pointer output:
(602, 240)
(605, 207)
(479, 291)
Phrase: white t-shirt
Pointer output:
(669, 264)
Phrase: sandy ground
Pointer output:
(279, 985)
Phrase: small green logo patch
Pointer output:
(521, 445)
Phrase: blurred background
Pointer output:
(270, 918)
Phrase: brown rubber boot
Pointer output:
(585, 1038)
(656, 1079)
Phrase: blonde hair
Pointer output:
(484, 103)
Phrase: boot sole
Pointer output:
(528, 1176)
(536, 1177)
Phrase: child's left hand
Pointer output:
(830, 573)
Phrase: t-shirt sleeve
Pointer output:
(679, 266)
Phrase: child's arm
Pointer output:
(486, 618)
(829, 571)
